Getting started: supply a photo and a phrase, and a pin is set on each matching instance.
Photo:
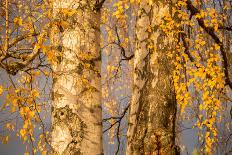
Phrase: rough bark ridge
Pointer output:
(76, 108)
(152, 113)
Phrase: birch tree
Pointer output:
(153, 106)
(76, 108)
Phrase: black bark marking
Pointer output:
(75, 125)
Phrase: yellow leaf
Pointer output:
(18, 21)
(44, 153)
(217, 47)
(150, 2)
(34, 93)
(7, 139)
(201, 106)
(22, 132)
(31, 114)
(126, 6)
(10, 126)
(26, 153)
(1, 89)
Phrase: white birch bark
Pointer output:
(76, 107)
(151, 129)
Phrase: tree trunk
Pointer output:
(76, 107)
(152, 115)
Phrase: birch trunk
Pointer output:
(151, 128)
(76, 107)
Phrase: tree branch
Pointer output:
(14, 67)
(123, 51)
(99, 5)
(118, 118)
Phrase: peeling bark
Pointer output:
(76, 107)
(152, 115)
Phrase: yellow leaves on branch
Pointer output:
(34, 93)
(67, 11)
(208, 80)
(181, 3)
(27, 113)
(18, 21)
(216, 46)
(10, 126)
(23, 99)
(119, 13)
(203, 75)
(27, 129)
(202, 14)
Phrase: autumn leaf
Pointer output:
(22, 132)
(1, 89)
(26, 153)
(18, 21)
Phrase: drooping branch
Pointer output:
(210, 31)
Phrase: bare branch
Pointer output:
(123, 51)
(118, 118)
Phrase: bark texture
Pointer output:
(151, 128)
(76, 107)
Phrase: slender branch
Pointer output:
(183, 38)
(7, 27)
(118, 119)
(123, 51)
(118, 139)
